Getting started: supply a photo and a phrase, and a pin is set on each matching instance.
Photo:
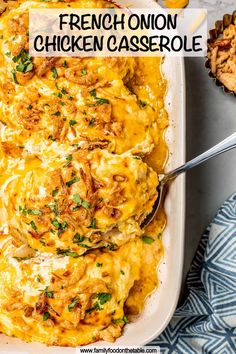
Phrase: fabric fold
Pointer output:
(206, 322)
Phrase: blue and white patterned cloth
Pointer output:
(206, 322)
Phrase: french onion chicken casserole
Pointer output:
(81, 144)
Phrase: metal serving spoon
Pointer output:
(225, 145)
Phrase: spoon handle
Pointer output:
(225, 145)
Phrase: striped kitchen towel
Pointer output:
(206, 322)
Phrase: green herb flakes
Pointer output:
(54, 72)
(73, 304)
(91, 123)
(32, 224)
(55, 192)
(69, 158)
(93, 224)
(72, 181)
(72, 122)
(67, 252)
(103, 298)
(46, 316)
(147, 239)
(142, 104)
(78, 238)
(34, 212)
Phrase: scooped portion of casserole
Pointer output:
(79, 202)
(81, 145)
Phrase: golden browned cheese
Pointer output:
(86, 202)
(81, 144)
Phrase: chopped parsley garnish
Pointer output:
(93, 93)
(93, 224)
(43, 242)
(121, 320)
(72, 181)
(65, 65)
(69, 158)
(80, 202)
(24, 62)
(54, 72)
(49, 294)
(58, 94)
(103, 298)
(99, 264)
(26, 211)
(55, 192)
(23, 68)
(159, 236)
(122, 272)
(142, 104)
(46, 316)
(125, 319)
(83, 72)
(91, 123)
(14, 77)
(34, 212)
(39, 278)
(23, 210)
(57, 114)
(32, 224)
(112, 247)
(96, 307)
(29, 107)
(99, 101)
(78, 238)
(67, 252)
(58, 225)
(72, 122)
(54, 207)
(147, 239)
(73, 304)
(64, 91)
(84, 245)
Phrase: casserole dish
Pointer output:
(160, 306)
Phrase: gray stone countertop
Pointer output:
(211, 116)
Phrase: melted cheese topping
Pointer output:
(90, 195)
(81, 143)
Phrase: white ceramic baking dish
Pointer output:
(161, 305)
